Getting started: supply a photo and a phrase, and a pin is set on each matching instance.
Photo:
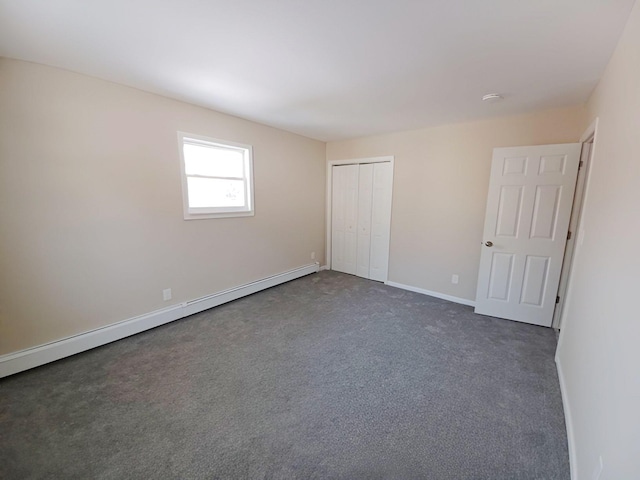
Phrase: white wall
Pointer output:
(599, 349)
(91, 222)
(441, 180)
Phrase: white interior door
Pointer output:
(381, 221)
(344, 219)
(527, 219)
(365, 199)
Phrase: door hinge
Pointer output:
(568, 235)
(580, 165)
(558, 299)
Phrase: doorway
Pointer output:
(575, 232)
(527, 218)
(530, 244)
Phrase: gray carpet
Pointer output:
(328, 376)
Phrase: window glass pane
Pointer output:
(215, 192)
(213, 161)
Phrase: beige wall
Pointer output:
(599, 350)
(441, 180)
(91, 222)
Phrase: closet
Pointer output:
(361, 219)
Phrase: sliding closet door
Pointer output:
(344, 218)
(380, 221)
(365, 193)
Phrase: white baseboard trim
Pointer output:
(324, 267)
(442, 296)
(573, 467)
(42, 354)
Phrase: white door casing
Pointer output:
(569, 249)
(527, 218)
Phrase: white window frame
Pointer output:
(195, 213)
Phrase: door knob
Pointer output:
(489, 244)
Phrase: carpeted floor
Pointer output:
(329, 376)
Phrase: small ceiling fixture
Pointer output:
(491, 97)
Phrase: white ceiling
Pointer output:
(330, 69)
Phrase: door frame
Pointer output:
(352, 161)
(576, 226)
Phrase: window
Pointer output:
(217, 177)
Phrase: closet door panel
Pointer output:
(351, 217)
(365, 193)
(345, 218)
(380, 221)
(338, 221)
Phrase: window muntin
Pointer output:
(216, 177)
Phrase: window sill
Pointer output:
(205, 216)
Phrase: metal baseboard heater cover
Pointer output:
(33, 357)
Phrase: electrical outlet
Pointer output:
(313, 255)
(455, 279)
(166, 294)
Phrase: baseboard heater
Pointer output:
(33, 357)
